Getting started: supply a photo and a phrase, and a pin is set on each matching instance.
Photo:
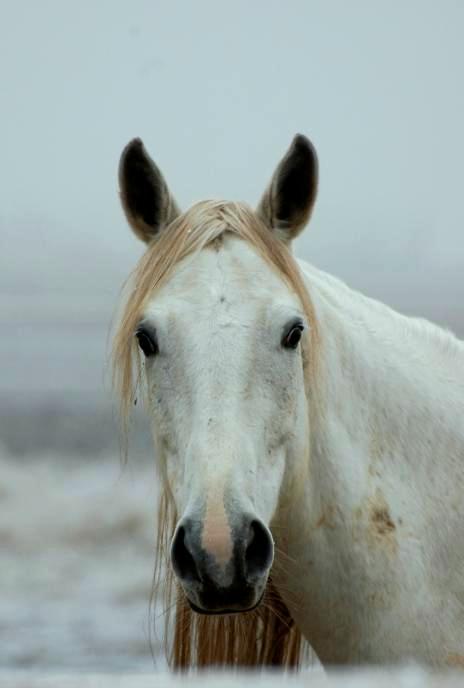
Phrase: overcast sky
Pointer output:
(217, 90)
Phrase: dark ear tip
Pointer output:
(134, 146)
(133, 153)
(135, 143)
(304, 153)
(301, 140)
(302, 143)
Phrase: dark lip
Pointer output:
(222, 612)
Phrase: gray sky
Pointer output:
(217, 90)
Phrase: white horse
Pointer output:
(309, 440)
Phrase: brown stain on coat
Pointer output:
(381, 527)
(456, 660)
(381, 520)
(327, 518)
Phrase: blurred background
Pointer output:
(216, 90)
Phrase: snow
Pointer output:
(77, 555)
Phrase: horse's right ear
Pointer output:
(289, 199)
(145, 196)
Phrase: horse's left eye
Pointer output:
(292, 338)
(147, 342)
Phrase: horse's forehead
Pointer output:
(232, 274)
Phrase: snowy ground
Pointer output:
(76, 562)
(402, 678)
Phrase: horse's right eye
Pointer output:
(147, 342)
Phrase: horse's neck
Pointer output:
(393, 390)
(380, 515)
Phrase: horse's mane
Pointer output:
(267, 636)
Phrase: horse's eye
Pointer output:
(147, 342)
(291, 339)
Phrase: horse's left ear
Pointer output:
(145, 197)
(289, 199)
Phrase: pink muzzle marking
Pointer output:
(217, 535)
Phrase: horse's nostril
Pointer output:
(259, 552)
(182, 560)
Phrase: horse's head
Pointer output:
(222, 326)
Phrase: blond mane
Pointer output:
(268, 636)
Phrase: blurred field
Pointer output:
(76, 541)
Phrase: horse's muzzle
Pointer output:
(214, 587)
